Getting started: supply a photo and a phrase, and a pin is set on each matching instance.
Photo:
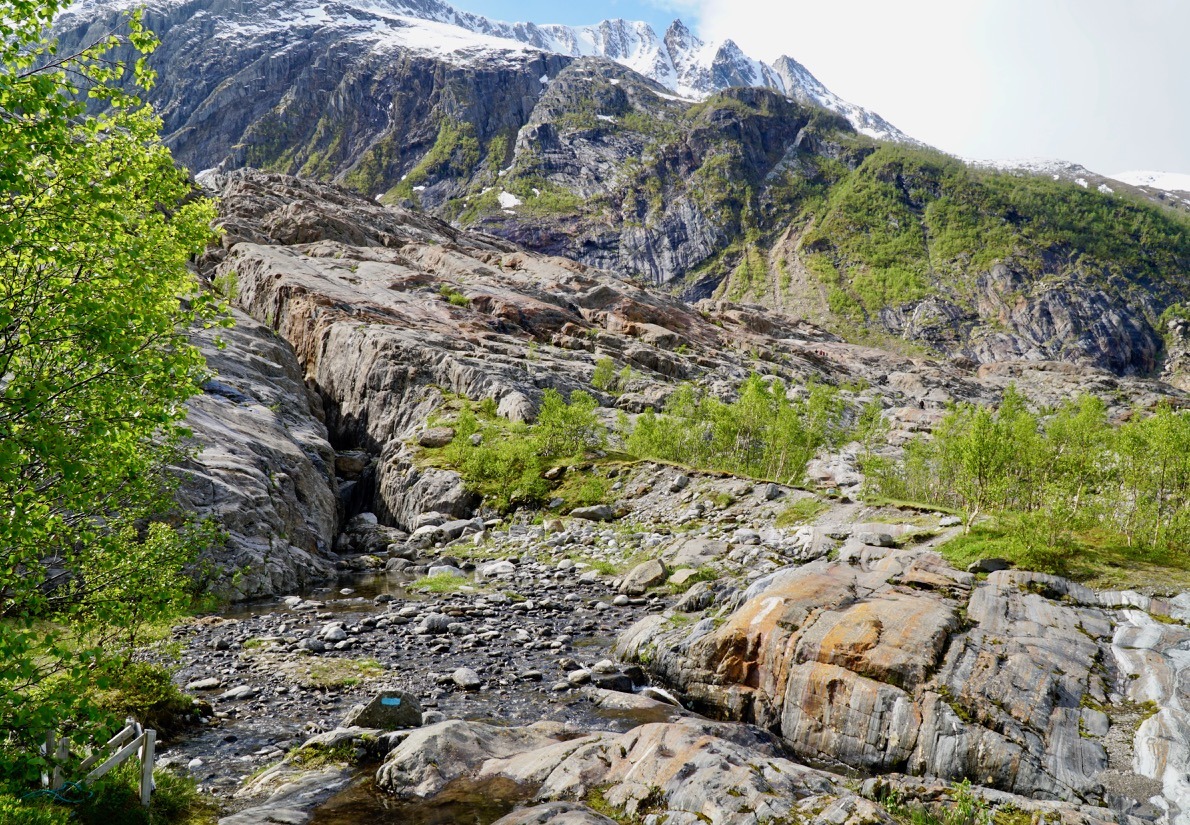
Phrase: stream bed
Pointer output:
(270, 687)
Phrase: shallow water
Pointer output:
(459, 804)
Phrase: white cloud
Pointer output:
(1101, 82)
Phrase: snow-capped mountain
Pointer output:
(678, 60)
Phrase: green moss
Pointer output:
(318, 756)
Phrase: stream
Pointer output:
(522, 633)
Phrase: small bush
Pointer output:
(147, 693)
(453, 296)
(604, 377)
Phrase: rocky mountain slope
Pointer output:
(535, 135)
(677, 60)
(363, 295)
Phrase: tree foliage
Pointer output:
(96, 229)
(507, 463)
(763, 433)
(1055, 478)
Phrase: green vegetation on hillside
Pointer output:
(97, 227)
(908, 222)
(1058, 486)
(455, 153)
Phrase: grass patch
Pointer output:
(336, 674)
(319, 756)
(442, 583)
(583, 489)
(453, 296)
(802, 511)
(1098, 561)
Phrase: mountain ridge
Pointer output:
(678, 59)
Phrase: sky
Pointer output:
(1104, 83)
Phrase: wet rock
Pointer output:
(555, 813)
(467, 678)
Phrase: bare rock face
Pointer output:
(555, 813)
(890, 661)
(262, 467)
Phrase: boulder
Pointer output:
(388, 710)
(645, 575)
(894, 661)
(431, 757)
(436, 437)
(598, 512)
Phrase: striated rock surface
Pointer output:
(261, 466)
(686, 772)
(890, 661)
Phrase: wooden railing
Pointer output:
(133, 740)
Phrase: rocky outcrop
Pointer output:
(1176, 366)
(260, 465)
(683, 772)
(889, 661)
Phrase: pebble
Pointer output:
(204, 684)
(466, 678)
(239, 693)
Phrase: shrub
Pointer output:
(566, 430)
(604, 377)
(147, 693)
(762, 434)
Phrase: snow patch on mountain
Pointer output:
(1168, 181)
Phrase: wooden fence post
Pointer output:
(146, 766)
